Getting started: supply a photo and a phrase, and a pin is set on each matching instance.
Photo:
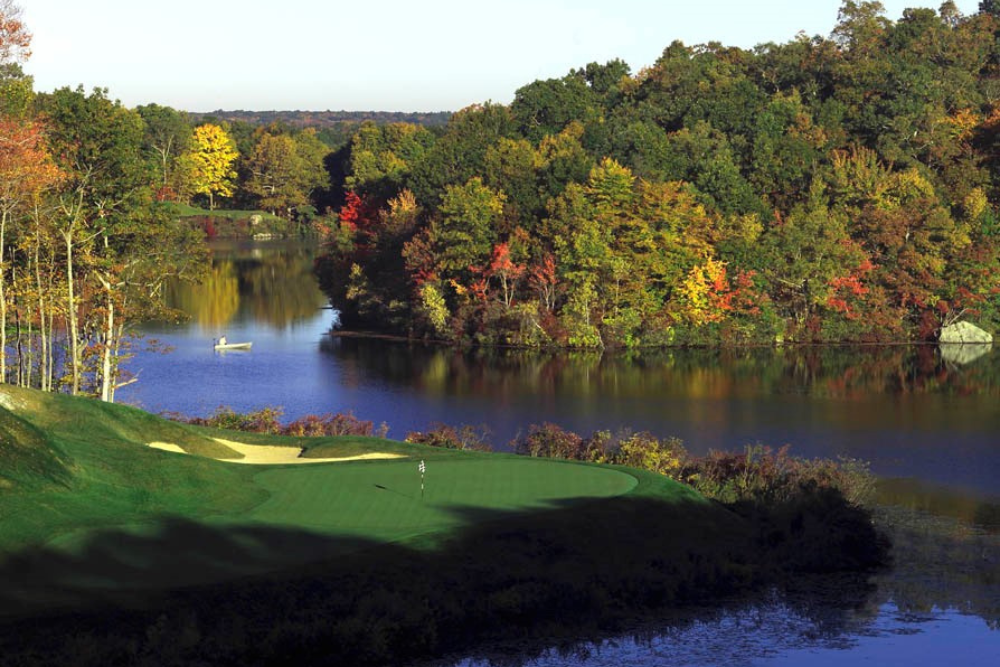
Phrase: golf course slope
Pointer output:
(91, 511)
(126, 538)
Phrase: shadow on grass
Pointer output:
(579, 568)
(130, 566)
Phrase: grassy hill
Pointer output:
(89, 509)
(132, 554)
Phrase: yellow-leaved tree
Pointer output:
(209, 163)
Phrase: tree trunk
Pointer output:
(72, 316)
(3, 299)
(107, 381)
(44, 332)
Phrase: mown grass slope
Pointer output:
(88, 510)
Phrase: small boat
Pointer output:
(233, 346)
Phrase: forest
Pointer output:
(96, 219)
(827, 189)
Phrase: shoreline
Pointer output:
(363, 334)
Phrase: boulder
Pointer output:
(963, 332)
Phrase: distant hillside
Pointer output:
(325, 119)
(333, 128)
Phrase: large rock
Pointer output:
(963, 332)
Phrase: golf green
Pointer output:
(383, 500)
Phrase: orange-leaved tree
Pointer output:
(15, 40)
(26, 170)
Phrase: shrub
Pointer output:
(550, 441)
(450, 437)
(266, 420)
(761, 475)
(645, 451)
(334, 424)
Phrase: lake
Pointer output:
(927, 421)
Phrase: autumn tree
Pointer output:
(15, 40)
(210, 162)
(285, 170)
(506, 271)
(827, 188)
(26, 171)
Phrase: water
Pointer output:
(929, 425)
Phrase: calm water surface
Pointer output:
(930, 426)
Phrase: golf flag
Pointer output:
(422, 468)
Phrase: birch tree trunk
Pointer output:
(107, 380)
(71, 315)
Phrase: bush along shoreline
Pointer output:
(577, 568)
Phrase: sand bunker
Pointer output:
(167, 447)
(271, 455)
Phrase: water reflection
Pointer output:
(270, 284)
(903, 409)
(845, 373)
(841, 373)
(214, 302)
(964, 505)
(939, 604)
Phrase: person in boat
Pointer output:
(222, 339)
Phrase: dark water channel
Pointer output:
(928, 424)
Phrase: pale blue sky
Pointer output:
(391, 55)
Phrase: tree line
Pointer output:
(839, 188)
(91, 195)
(825, 189)
(86, 244)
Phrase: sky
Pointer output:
(384, 55)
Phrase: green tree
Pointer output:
(546, 107)
(466, 232)
(285, 170)
(166, 138)
(382, 157)
(460, 153)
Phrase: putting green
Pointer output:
(383, 500)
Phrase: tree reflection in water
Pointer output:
(938, 604)
(270, 283)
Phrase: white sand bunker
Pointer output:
(271, 455)
(167, 447)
